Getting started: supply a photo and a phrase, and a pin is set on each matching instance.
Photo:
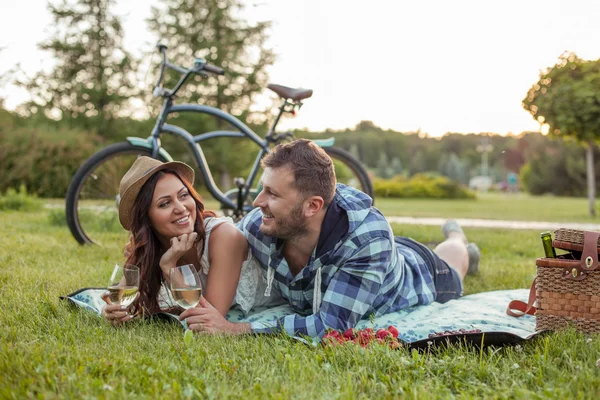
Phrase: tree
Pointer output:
(567, 99)
(396, 166)
(454, 168)
(418, 163)
(213, 30)
(93, 76)
(384, 169)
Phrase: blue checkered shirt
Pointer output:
(365, 273)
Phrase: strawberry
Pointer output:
(349, 334)
(332, 333)
(365, 336)
(393, 330)
(382, 334)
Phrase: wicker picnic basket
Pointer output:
(566, 289)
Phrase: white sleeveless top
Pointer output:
(251, 288)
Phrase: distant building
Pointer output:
(480, 183)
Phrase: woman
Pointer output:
(169, 227)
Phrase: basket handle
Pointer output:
(588, 261)
(518, 308)
(589, 256)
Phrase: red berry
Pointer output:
(334, 333)
(382, 334)
(349, 333)
(392, 329)
(395, 344)
(365, 337)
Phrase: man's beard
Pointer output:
(292, 226)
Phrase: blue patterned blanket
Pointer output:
(483, 311)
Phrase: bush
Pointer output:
(421, 186)
(43, 165)
(19, 201)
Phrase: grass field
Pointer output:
(49, 350)
(518, 207)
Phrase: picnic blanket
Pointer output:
(482, 311)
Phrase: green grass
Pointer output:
(518, 207)
(500, 206)
(49, 349)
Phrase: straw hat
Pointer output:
(142, 169)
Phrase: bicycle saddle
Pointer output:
(289, 93)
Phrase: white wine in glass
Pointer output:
(185, 285)
(123, 284)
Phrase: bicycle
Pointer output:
(93, 194)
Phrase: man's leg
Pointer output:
(462, 256)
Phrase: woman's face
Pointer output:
(173, 210)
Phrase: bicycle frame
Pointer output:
(153, 142)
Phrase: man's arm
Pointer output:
(349, 295)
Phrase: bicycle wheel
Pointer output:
(93, 196)
(349, 170)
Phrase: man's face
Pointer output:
(281, 204)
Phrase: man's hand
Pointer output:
(179, 246)
(207, 319)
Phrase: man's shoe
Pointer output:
(452, 226)
(474, 256)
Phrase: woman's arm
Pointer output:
(227, 250)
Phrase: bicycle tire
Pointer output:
(360, 179)
(126, 152)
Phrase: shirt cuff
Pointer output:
(264, 327)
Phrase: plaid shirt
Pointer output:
(365, 273)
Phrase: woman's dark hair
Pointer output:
(144, 248)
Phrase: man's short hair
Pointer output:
(313, 170)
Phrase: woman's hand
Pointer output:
(179, 246)
(115, 314)
(207, 319)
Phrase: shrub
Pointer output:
(421, 186)
(19, 201)
(45, 166)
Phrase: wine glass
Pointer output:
(123, 284)
(185, 285)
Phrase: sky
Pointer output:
(431, 65)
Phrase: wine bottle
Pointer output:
(547, 243)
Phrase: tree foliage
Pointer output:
(567, 99)
(213, 30)
(93, 76)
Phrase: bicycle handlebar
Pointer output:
(199, 64)
(213, 69)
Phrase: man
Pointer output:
(332, 255)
